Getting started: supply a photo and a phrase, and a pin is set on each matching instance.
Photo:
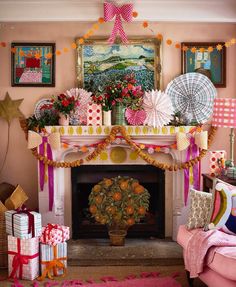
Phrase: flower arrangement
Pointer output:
(118, 201)
(64, 104)
(123, 91)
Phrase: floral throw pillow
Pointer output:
(223, 214)
(200, 209)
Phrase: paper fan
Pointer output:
(193, 94)
(135, 118)
(158, 108)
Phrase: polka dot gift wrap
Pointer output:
(94, 115)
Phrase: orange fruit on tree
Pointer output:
(97, 188)
(98, 199)
(130, 221)
(108, 182)
(130, 209)
(98, 218)
(134, 184)
(124, 184)
(141, 210)
(103, 220)
(93, 209)
(139, 189)
(117, 196)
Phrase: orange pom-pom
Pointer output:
(185, 48)
(81, 41)
(13, 50)
(159, 36)
(177, 46)
(145, 24)
(135, 14)
(3, 44)
(101, 20)
(58, 53)
(65, 50)
(168, 41)
(73, 45)
(194, 50)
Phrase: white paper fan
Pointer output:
(158, 108)
(193, 94)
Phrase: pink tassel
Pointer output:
(91, 281)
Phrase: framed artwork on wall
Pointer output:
(99, 63)
(206, 58)
(33, 65)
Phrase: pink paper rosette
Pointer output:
(135, 117)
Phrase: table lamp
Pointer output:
(224, 115)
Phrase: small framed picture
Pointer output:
(33, 65)
(206, 58)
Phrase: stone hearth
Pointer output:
(74, 137)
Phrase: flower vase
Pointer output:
(118, 115)
(106, 118)
(63, 119)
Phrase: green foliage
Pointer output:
(47, 118)
(118, 201)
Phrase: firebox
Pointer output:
(85, 177)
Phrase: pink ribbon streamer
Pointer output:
(50, 172)
(191, 151)
(125, 12)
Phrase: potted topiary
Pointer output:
(118, 202)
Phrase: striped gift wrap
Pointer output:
(52, 258)
(20, 224)
(23, 258)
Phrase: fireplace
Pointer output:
(76, 136)
(85, 177)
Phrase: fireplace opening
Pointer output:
(85, 177)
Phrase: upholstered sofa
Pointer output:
(221, 272)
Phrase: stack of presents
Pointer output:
(33, 251)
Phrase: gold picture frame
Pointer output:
(98, 62)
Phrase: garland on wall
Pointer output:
(109, 140)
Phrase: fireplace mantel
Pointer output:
(74, 137)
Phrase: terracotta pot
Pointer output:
(117, 237)
(106, 118)
(63, 120)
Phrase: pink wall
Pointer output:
(21, 165)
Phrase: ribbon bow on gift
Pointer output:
(19, 260)
(53, 266)
(125, 11)
(184, 140)
(24, 210)
(45, 144)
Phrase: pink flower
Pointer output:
(113, 103)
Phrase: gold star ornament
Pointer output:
(9, 109)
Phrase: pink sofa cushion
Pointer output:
(224, 260)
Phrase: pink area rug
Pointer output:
(146, 280)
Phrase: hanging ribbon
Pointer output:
(193, 152)
(53, 266)
(183, 140)
(42, 169)
(19, 260)
(31, 225)
(35, 139)
(125, 11)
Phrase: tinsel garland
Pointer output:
(110, 139)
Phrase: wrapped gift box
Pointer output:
(53, 234)
(17, 224)
(56, 256)
(214, 157)
(23, 258)
(94, 115)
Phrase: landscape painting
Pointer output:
(33, 64)
(101, 63)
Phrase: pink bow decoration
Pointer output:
(125, 11)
